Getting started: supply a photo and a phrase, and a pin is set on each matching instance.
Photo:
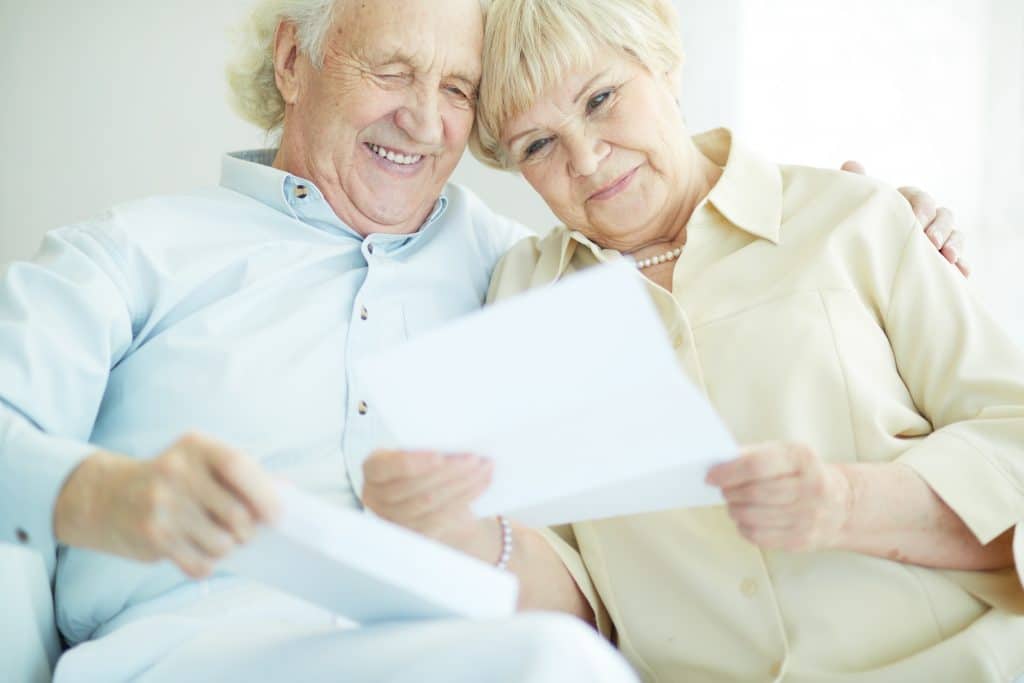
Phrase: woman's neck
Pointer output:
(700, 178)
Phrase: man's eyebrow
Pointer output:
(587, 85)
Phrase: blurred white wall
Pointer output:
(108, 100)
(923, 92)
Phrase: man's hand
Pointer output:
(783, 497)
(427, 492)
(937, 222)
(191, 505)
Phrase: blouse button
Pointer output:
(363, 408)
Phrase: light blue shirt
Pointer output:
(237, 312)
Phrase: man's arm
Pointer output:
(66, 318)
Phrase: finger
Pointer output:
(956, 240)
(781, 491)
(757, 464)
(385, 466)
(964, 266)
(456, 495)
(854, 167)
(451, 470)
(205, 535)
(246, 479)
(191, 560)
(921, 202)
(940, 229)
(769, 538)
(763, 516)
(953, 247)
(226, 510)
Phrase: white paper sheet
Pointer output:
(368, 570)
(573, 390)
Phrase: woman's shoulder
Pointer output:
(822, 199)
(529, 263)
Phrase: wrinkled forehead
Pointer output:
(434, 35)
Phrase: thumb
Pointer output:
(854, 167)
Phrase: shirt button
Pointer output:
(301, 192)
(22, 535)
(369, 248)
(748, 587)
(363, 313)
(363, 408)
(776, 669)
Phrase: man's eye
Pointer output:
(598, 100)
(536, 146)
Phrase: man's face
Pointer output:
(382, 125)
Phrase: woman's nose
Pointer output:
(585, 155)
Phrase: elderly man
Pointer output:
(159, 363)
(234, 313)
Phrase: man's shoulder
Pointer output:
(494, 232)
(201, 216)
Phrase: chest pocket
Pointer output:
(774, 373)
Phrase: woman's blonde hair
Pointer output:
(530, 45)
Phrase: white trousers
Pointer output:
(249, 633)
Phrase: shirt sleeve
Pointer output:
(966, 377)
(563, 540)
(64, 322)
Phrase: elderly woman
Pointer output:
(869, 534)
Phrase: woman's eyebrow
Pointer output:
(587, 85)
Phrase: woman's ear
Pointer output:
(286, 54)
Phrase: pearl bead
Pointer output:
(657, 260)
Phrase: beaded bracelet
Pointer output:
(506, 543)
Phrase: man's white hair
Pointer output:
(254, 93)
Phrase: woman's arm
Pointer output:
(432, 493)
(954, 497)
(783, 496)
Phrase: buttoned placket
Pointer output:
(756, 585)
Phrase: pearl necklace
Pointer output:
(664, 258)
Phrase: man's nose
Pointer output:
(421, 119)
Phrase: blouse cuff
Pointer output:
(978, 490)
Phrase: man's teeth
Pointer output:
(403, 159)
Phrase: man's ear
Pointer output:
(286, 56)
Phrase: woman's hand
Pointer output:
(937, 221)
(427, 492)
(783, 497)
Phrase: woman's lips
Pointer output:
(616, 187)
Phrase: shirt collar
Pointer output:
(251, 173)
(748, 194)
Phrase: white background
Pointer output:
(108, 100)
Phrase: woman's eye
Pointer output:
(536, 146)
(456, 91)
(595, 102)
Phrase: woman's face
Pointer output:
(607, 150)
